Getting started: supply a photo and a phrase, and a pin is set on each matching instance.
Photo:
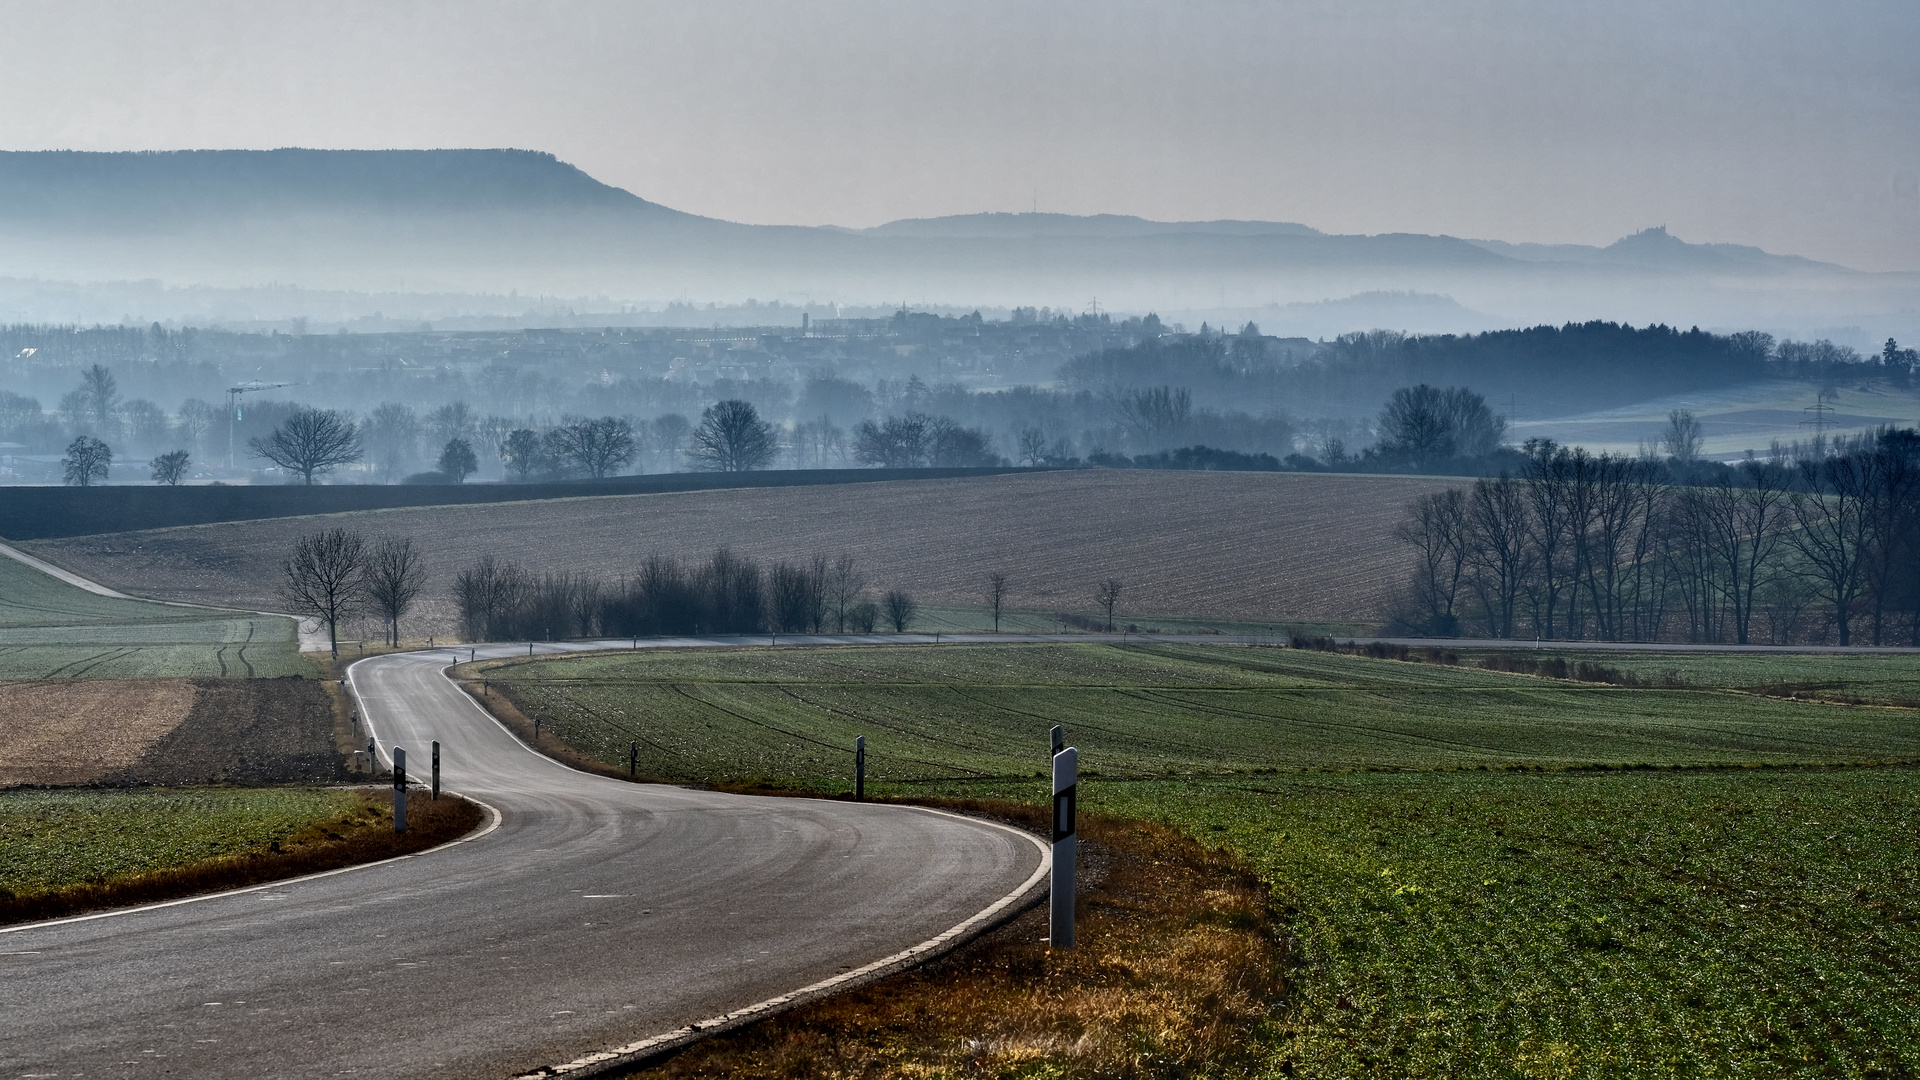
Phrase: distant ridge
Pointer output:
(69, 188)
(1003, 225)
(1657, 248)
(521, 222)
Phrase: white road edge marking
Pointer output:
(624, 1055)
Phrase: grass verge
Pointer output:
(73, 851)
(1178, 966)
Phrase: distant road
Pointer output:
(597, 915)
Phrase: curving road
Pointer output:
(595, 917)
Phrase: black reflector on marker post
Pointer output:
(1066, 775)
(399, 789)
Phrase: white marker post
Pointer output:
(399, 789)
(859, 768)
(1066, 775)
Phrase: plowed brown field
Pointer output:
(1243, 546)
(74, 732)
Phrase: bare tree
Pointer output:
(599, 448)
(325, 578)
(1033, 446)
(520, 453)
(311, 441)
(1833, 534)
(732, 438)
(1436, 527)
(901, 610)
(87, 460)
(1743, 526)
(169, 467)
(844, 586)
(390, 435)
(1683, 437)
(996, 596)
(1501, 559)
(488, 594)
(99, 396)
(1109, 595)
(394, 577)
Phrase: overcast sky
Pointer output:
(1794, 126)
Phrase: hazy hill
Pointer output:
(519, 222)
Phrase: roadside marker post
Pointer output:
(436, 768)
(860, 768)
(633, 760)
(1058, 737)
(399, 789)
(1066, 775)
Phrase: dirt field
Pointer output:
(77, 732)
(1248, 546)
(165, 731)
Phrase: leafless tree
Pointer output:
(394, 577)
(1832, 534)
(1435, 526)
(1501, 558)
(1683, 437)
(390, 436)
(901, 610)
(310, 442)
(996, 596)
(1747, 523)
(88, 459)
(169, 467)
(1109, 594)
(1033, 446)
(488, 594)
(732, 438)
(99, 396)
(844, 586)
(599, 448)
(325, 578)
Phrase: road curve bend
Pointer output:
(598, 916)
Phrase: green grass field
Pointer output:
(53, 839)
(1886, 678)
(1474, 887)
(938, 720)
(49, 630)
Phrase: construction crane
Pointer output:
(233, 407)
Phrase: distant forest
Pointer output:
(1564, 369)
(1040, 388)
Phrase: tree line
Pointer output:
(725, 594)
(1821, 547)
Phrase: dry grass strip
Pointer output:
(1178, 961)
(362, 836)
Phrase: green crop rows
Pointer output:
(51, 630)
(53, 839)
(1468, 894)
(941, 717)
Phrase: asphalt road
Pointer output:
(596, 915)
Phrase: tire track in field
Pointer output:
(90, 662)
